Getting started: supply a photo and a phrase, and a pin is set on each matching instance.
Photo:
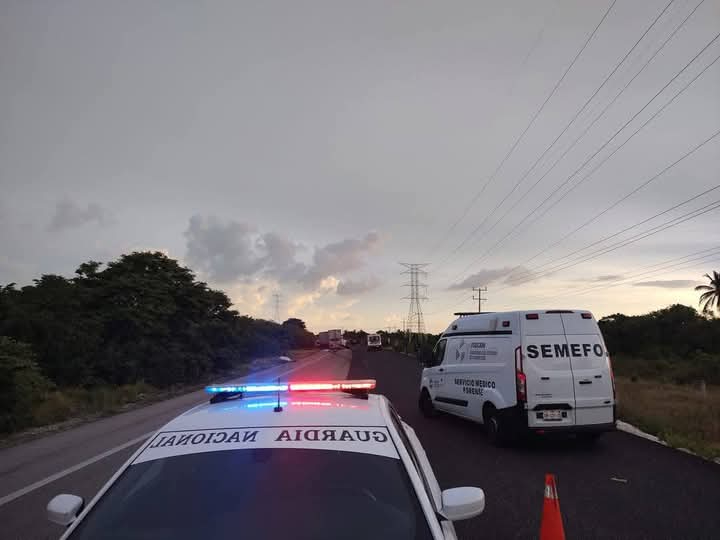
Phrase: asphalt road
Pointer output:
(667, 494)
(108, 442)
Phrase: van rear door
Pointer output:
(591, 369)
(550, 395)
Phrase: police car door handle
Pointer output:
(585, 382)
(441, 369)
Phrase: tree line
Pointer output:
(676, 344)
(143, 317)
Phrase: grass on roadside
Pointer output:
(684, 416)
(65, 403)
(63, 407)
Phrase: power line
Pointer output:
(529, 125)
(552, 144)
(510, 91)
(640, 236)
(632, 192)
(567, 180)
(606, 158)
(455, 302)
(674, 207)
(623, 144)
(664, 269)
(577, 139)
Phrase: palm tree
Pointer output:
(711, 294)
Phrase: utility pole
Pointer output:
(415, 321)
(480, 291)
(276, 313)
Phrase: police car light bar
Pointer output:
(357, 386)
(333, 386)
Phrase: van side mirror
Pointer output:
(462, 503)
(64, 509)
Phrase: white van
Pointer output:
(374, 342)
(541, 370)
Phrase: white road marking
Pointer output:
(45, 481)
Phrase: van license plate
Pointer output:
(552, 415)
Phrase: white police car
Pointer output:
(302, 460)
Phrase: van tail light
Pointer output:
(586, 316)
(520, 379)
(612, 376)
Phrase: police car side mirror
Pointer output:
(462, 503)
(64, 508)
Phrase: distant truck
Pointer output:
(323, 340)
(335, 339)
(374, 342)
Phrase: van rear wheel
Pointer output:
(494, 427)
(427, 408)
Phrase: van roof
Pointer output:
(490, 321)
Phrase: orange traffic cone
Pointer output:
(551, 525)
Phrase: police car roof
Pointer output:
(491, 321)
(301, 409)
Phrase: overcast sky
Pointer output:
(305, 148)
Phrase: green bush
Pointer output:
(675, 344)
(21, 384)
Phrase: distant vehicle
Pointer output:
(313, 460)
(335, 339)
(374, 342)
(541, 371)
(323, 340)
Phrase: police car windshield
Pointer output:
(260, 493)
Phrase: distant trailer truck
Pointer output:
(323, 340)
(335, 339)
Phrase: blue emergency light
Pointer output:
(247, 388)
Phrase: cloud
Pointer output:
(347, 304)
(69, 215)
(608, 277)
(279, 256)
(325, 287)
(668, 284)
(339, 257)
(508, 275)
(228, 251)
(352, 287)
(250, 298)
(225, 251)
